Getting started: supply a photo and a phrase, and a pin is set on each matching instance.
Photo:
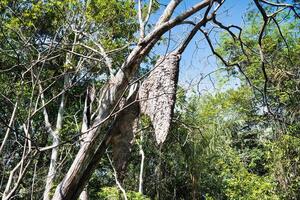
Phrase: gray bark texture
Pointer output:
(91, 152)
(156, 98)
(123, 134)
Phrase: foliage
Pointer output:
(114, 194)
(236, 143)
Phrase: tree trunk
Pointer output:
(52, 167)
(84, 194)
(142, 153)
(91, 152)
(55, 142)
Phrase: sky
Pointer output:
(197, 61)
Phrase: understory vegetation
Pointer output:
(59, 60)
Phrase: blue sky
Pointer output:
(197, 59)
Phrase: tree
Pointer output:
(57, 51)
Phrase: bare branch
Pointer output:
(12, 119)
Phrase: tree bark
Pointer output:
(52, 166)
(90, 153)
(89, 99)
(142, 153)
(84, 194)
(55, 141)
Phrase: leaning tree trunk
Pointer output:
(91, 152)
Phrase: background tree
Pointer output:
(84, 106)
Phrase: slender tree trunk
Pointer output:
(84, 194)
(52, 166)
(33, 181)
(55, 142)
(142, 165)
(9, 127)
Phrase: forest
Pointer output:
(150, 99)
